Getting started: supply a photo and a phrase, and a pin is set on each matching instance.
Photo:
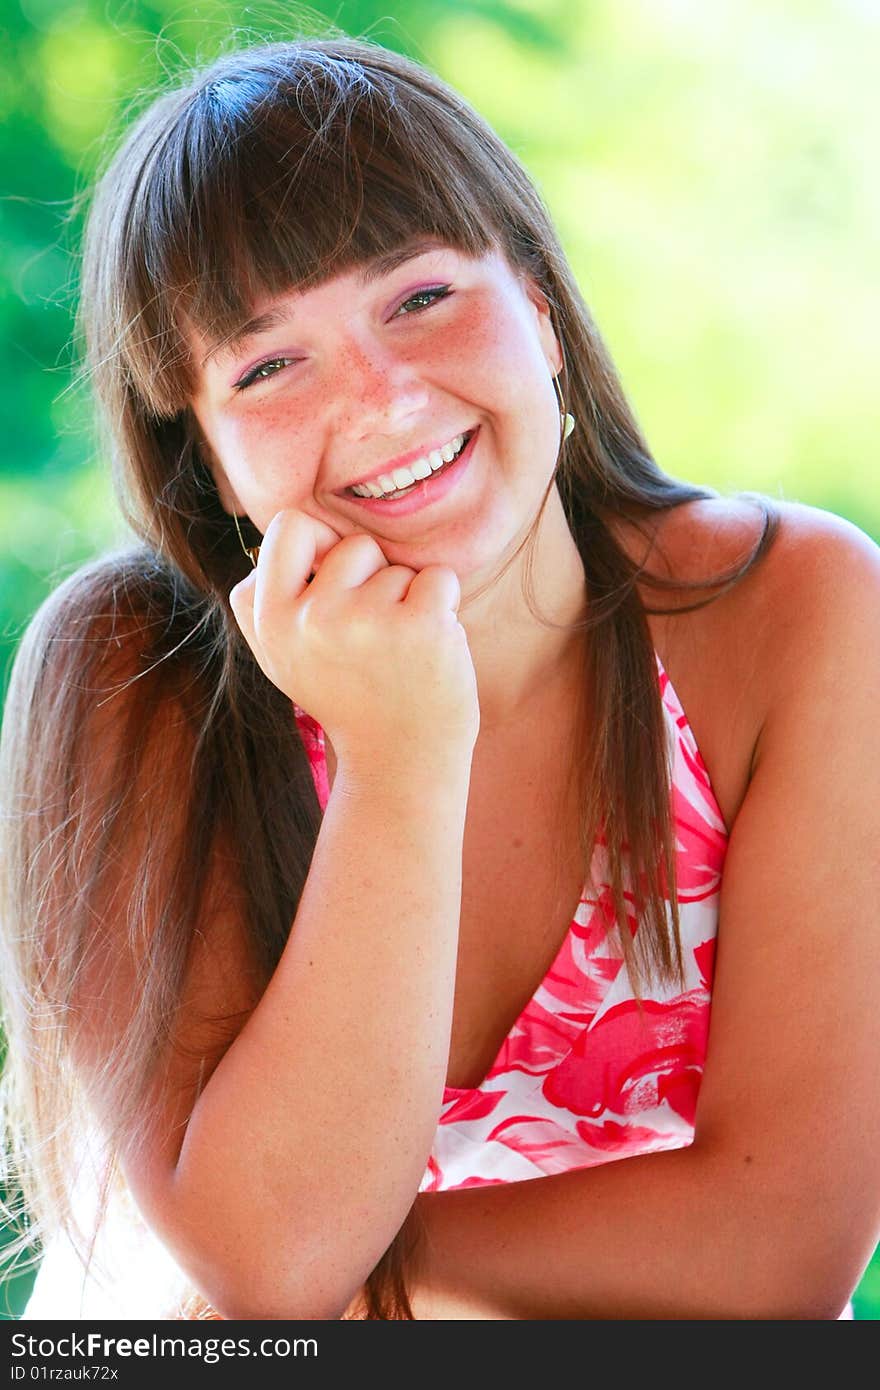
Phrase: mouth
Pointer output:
(437, 476)
(402, 480)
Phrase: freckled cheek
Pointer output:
(502, 368)
(271, 452)
(491, 360)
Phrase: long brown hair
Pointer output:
(219, 194)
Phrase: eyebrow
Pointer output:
(368, 274)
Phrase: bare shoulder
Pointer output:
(813, 544)
(822, 659)
(804, 623)
(738, 660)
(821, 590)
(818, 571)
(713, 529)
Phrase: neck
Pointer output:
(518, 658)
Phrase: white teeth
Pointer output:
(403, 478)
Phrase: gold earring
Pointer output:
(566, 421)
(253, 551)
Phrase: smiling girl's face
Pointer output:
(380, 369)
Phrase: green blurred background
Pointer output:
(712, 169)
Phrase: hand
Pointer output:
(373, 651)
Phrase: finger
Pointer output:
(325, 540)
(241, 601)
(293, 548)
(435, 587)
(389, 585)
(350, 563)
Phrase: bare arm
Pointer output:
(304, 1152)
(288, 1122)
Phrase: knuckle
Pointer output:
(360, 540)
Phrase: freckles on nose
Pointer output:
(364, 385)
(363, 373)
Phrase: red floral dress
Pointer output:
(585, 1074)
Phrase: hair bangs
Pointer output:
(271, 186)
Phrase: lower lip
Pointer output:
(426, 491)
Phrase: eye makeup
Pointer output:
(433, 293)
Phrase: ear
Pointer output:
(546, 332)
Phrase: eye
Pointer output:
(261, 372)
(432, 295)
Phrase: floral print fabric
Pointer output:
(586, 1074)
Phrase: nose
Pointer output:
(377, 393)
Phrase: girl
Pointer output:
(371, 820)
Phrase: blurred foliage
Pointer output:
(709, 168)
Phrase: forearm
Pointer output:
(306, 1148)
(682, 1234)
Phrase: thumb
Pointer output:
(241, 601)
